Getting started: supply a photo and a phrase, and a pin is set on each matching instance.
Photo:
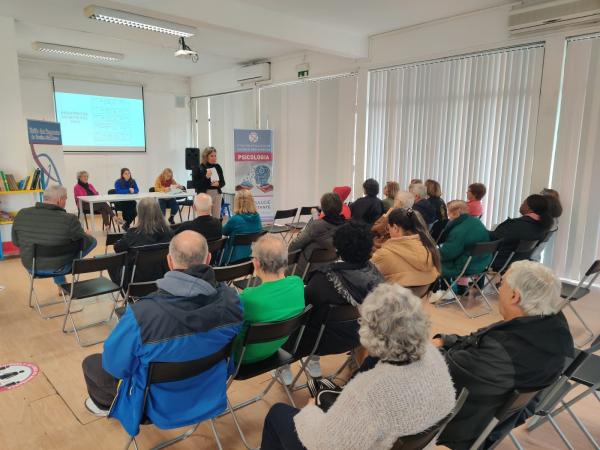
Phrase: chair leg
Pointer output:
(38, 306)
(237, 425)
(130, 441)
(215, 434)
(560, 432)
(515, 441)
(176, 439)
(69, 314)
(456, 299)
(583, 428)
(589, 332)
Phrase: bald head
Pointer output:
(271, 255)
(55, 195)
(187, 249)
(203, 204)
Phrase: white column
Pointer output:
(14, 148)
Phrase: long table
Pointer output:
(110, 198)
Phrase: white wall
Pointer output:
(168, 128)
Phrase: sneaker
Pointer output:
(283, 374)
(95, 409)
(440, 296)
(313, 367)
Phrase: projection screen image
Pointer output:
(100, 117)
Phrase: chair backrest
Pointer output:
(421, 440)
(138, 290)
(307, 210)
(230, 273)
(321, 255)
(285, 214)
(484, 248)
(114, 261)
(112, 238)
(73, 249)
(217, 245)
(112, 191)
(258, 333)
(342, 313)
(152, 189)
(536, 254)
(247, 238)
(149, 257)
(190, 184)
(524, 248)
(594, 268)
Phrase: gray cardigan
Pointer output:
(380, 405)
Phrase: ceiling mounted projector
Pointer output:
(128, 19)
(184, 51)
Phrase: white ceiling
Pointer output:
(229, 31)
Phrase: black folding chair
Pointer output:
(134, 292)
(152, 189)
(305, 211)
(258, 333)
(188, 201)
(515, 402)
(536, 255)
(522, 251)
(168, 372)
(113, 206)
(572, 293)
(282, 215)
(320, 256)
(87, 227)
(337, 315)
(111, 239)
(242, 239)
(227, 274)
(79, 290)
(478, 249)
(421, 440)
(72, 250)
(583, 371)
(150, 258)
(215, 248)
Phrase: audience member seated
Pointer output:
(152, 228)
(47, 223)
(344, 282)
(422, 205)
(410, 257)
(407, 392)
(204, 223)
(414, 181)
(390, 190)
(526, 350)
(83, 188)
(463, 231)
(380, 230)
(190, 316)
(166, 183)
(245, 220)
(344, 192)
(475, 193)
(318, 234)
(434, 197)
(126, 185)
(554, 205)
(277, 297)
(534, 223)
(368, 208)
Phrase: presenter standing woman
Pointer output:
(83, 188)
(208, 178)
(126, 185)
(164, 183)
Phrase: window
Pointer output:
(458, 120)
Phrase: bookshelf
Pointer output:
(12, 202)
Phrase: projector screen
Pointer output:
(100, 117)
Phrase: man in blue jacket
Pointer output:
(190, 316)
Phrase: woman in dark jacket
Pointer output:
(434, 197)
(534, 223)
(152, 229)
(208, 178)
(368, 208)
(344, 282)
(126, 185)
(318, 234)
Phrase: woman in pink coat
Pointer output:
(84, 188)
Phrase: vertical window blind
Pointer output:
(458, 120)
(314, 129)
(213, 120)
(577, 161)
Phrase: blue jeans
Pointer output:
(59, 274)
(170, 203)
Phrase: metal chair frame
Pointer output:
(72, 249)
(242, 239)
(283, 229)
(523, 247)
(153, 250)
(303, 212)
(112, 239)
(100, 264)
(318, 256)
(493, 246)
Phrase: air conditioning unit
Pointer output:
(535, 15)
(253, 73)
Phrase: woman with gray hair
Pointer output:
(84, 188)
(152, 228)
(408, 390)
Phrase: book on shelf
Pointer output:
(9, 183)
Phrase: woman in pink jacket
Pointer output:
(84, 188)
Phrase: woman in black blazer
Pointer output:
(208, 178)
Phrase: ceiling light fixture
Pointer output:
(138, 21)
(45, 47)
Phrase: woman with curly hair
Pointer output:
(406, 392)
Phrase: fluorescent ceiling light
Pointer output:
(76, 51)
(138, 21)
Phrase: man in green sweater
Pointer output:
(277, 297)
